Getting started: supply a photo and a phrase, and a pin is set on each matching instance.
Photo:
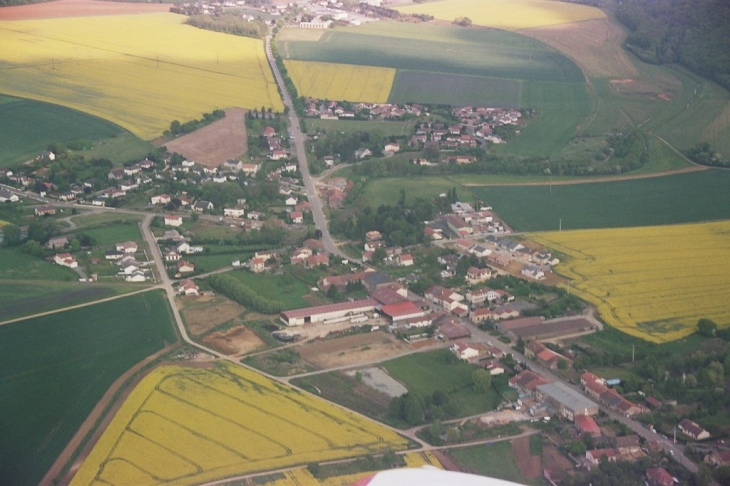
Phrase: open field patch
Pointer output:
(351, 350)
(462, 90)
(285, 289)
(78, 8)
(493, 460)
(166, 71)
(329, 81)
(654, 283)
(54, 369)
(236, 340)
(387, 128)
(507, 14)
(16, 265)
(192, 425)
(37, 125)
(202, 314)
(215, 143)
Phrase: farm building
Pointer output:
(530, 328)
(693, 430)
(323, 313)
(569, 402)
(587, 425)
(401, 311)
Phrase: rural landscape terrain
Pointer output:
(267, 243)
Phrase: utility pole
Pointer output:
(632, 352)
(560, 224)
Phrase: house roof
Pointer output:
(324, 309)
(691, 427)
(587, 425)
(528, 380)
(659, 476)
(401, 309)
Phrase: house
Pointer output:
(362, 153)
(255, 215)
(268, 132)
(257, 264)
(113, 255)
(391, 148)
(534, 272)
(718, 457)
(65, 260)
(250, 169)
(185, 267)
(136, 276)
(172, 256)
(57, 242)
(594, 457)
(405, 260)
(8, 197)
(44, 210)
(278, 154)
(464, 351)
(544, 356)
(480, 251)
(475, 275)
(658, 476)
(188, 287)
(296, 217)
(201, 206)
(586, 425)
(317, 260)
(291, 201)
(526, 381)
(172, 220)
(373, 235)
(693, 430)
(161, 199)
(127, 247)
(233, 212)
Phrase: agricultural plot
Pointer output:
(285, 289)
(328, 81)
(54, 369)
(653, 283)
(16, 265)
(463, 90)
(507, 14)
(192, 425)
(36, 125)
(493, 460)
(387, 128)
(165, 71)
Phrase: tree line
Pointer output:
(243, 294)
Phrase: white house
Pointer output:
(464, 351)
(66, 260)
(127, 247)
(233, 212)
(172, 220)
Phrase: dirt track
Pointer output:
(78, 8)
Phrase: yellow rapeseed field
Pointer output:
(331, 81)
(139, 71)
(184, 426)
(654, 282)
(507, 14)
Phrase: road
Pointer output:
(298, 140)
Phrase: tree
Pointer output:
(707, 328)
(12, 235)
(577, 448)
(379, 255)
(482, 380)
(462, 21)
(562, 365)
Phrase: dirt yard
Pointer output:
(204, 313)
(558, 464)
(530, 466)
(78, 8)
(352, 350)
(215, 143)
(234, 341)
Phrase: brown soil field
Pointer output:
(558, 464)
(78, 8)
(351, 350)
(530, 466)
(215, 143)
(204, 313)
(237, 340)
(448, 463)
(595, 45)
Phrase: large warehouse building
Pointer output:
(321, 313)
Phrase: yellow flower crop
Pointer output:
(184, 426)
(654, 283)
(139, 71)
(330, 81)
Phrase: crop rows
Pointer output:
(329, 81)
(190, 425)
(652, 282)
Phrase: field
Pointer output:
(285, 289)
(54, 369)
(191, 425)
(507, 14)
(328, 81)
(387, 128)
(120, 149)
(653, 283)
(77, 8)
(424, 373)
(165, 71)
(107, 234)
(493, 460)
(463, 90)
(16, 265)
(36, 125)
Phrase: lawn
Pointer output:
(194, 425)
(654, 282)
(507, 14)
(16, 265)
(493, 460)
(166, 71)
(424, 373)
(54, 369)
(387, 128)
(36, 125)
(285, 288)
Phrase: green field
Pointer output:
(110, 233)
(54, 369)
(22, 298)
(14, 264)
(32, 125)
(120, 149)
(92, 219)
(493, 460)
(285, 288)
(424, 373)
(387, 128)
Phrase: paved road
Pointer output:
(298, 144)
